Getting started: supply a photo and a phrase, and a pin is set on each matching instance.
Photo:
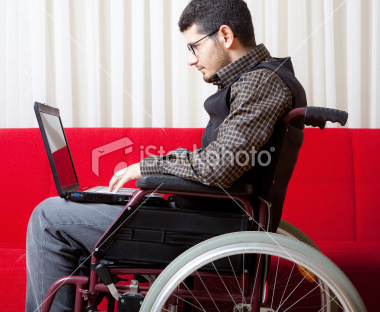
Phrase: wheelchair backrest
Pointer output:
(271, 181)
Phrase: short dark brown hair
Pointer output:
(209, 15)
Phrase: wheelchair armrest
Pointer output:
(173, 184)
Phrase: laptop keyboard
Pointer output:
(104, 189)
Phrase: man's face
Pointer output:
(210, 54)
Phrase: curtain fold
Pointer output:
(374, 65)
(117, 63)
(123, 63)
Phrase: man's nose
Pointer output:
(192, 59)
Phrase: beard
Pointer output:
(220, 60)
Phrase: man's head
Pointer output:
(227, 31)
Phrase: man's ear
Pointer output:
(228, 36)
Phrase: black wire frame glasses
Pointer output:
(190, 45)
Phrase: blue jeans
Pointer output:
(60, 233)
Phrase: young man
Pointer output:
(254, 91)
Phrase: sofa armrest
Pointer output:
(173, 184)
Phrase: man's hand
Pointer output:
(123, 176)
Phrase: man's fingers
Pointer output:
(119, 185)
(116, 179)
(112, 183)
(119, 179)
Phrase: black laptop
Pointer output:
(62, 165)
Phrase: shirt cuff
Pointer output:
(151, 165)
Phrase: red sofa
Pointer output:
(334, 194)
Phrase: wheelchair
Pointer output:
(169, 259)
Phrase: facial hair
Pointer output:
(220, 60)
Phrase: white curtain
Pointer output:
(122, 63)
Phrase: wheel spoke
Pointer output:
(275, 281)
(254, 284)
(224, 283)
(237, 281)
(204, 285)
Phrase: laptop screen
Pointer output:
(59, 149)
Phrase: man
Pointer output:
(254, 92)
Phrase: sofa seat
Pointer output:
(12, 277)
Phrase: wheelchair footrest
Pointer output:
(130, 303)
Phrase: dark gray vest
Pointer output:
(218, 105)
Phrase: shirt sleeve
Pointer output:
(258, 100)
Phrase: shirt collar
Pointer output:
(231, 72)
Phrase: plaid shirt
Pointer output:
(258, 99)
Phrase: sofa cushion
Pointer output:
(320, 198)
(13, 279)
(366, 156)
(25, 180)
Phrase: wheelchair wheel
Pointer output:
(289, 230)
(214, 276)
